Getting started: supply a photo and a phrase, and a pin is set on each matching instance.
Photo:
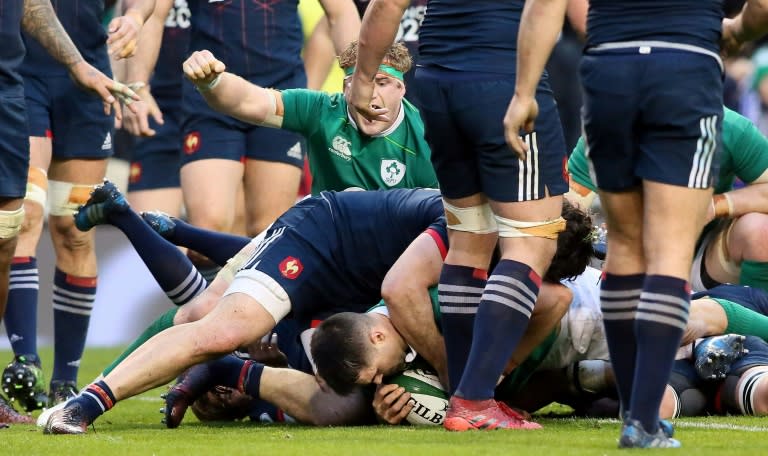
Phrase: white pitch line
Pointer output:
(698, 425)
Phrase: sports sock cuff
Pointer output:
(623, 282)
(249, 381)
(103, 394)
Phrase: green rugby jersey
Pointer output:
(340, 157)
(744, 155)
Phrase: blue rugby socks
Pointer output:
(73, 299)
(96, 399)
(502, 317)
(21, 311)
(662, 315)
(619, 296)
(218, 247)
(170, 267)
(459, 295)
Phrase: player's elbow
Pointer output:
(397, 292)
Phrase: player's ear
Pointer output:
(377, 336)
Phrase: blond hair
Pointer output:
(397, 57)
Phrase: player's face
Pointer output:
(388, 93)
(387, 358)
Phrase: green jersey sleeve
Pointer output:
(303, 109)
(578, 167)
(745, 150)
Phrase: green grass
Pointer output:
(133, 428)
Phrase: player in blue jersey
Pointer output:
(70, 139)
(308, 263)
(38, 20)
(652, 79)
(465, 76)
(154, 182)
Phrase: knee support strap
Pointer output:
(65, 197)
(514, 229)
(10, 222)
(475, 219)
(37, 186)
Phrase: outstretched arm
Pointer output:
(378, 32)
(40, 22)
(232, 95)
(343, 22)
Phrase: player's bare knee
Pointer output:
(197, 308)
(67, 237)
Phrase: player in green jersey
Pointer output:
(342, 153)
(731, 248)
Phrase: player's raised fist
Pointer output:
(202, 68)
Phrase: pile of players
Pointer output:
(486, 278)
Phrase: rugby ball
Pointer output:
(430, 401)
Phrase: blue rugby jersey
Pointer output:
(693, 22)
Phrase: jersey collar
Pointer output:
(393, 127)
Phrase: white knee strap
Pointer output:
(548, 229)
(475, 219)
(65, 197)
(10, 222)
(37, 186)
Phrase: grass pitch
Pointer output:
(133, 428)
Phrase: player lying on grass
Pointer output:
(551, 373)
(731, 247)
(344, 239)
(577, 372)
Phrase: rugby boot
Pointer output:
(713, 356)
(61, 391)
(465, 415)
(23, 382)
(8, 415)
(104, 200)
(162, 223)
(633, 435)
(191, 384)
(69, 420)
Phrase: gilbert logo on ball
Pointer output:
(430, 401)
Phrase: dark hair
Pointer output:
(574, 246)
(340, 351)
